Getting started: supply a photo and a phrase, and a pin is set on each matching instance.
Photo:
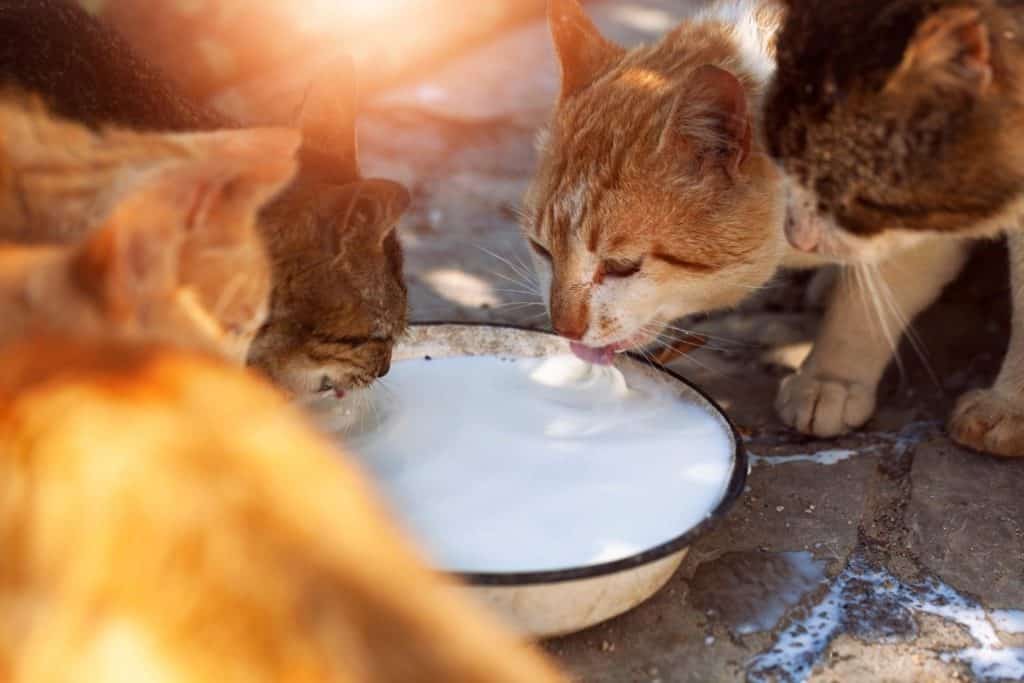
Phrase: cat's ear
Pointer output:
(949, 49)
(711, 121)
(233, 175)
(582, 51)
(328, 121)
(371, 208)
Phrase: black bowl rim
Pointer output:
(734, 489)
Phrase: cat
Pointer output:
(900, 125)
(333, 233)
(337, 307)
(121, 280)
(59, 180)
(653, 198)
(167, 517)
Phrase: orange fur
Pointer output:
(653, 198)
(166, 518)
(60, 180)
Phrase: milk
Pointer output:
(502, 465)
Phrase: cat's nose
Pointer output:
(803, 233)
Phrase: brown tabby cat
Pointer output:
(337, 309)
(166, 518)
(653, 198)
(339, 298)
(902, 127)
(59, 180)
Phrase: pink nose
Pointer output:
(805, 234)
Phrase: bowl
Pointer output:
(561, 601)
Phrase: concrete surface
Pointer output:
(902, 561)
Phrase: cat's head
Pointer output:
(896, 119)
(60, 180)
(339, 298)
(126, 277)
(652, 199)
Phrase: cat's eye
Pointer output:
(326, 384)
(620, 268)
(539, 250)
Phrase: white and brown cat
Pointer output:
(653, 198)
(902, 134)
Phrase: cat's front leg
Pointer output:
(992, 420)
(834, 390)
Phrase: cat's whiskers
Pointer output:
(527, 276)
(697, 333)
(874, 298)
(691, 338)
(512, 290)
(673, 340)
(518, 282)
(908, 327)
(687, 357)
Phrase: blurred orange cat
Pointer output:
(166, 518)
(168, 212)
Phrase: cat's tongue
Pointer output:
(599, 356)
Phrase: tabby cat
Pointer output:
(174, 215)
(168, 518)
(901, 125)
(339, 300)
(653, 198)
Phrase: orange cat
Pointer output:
(58, 180)
(123, 279)
(653, 198)
(166, 518)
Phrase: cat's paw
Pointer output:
(989, 421)
(824, 407)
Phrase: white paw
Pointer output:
(824, 407)
(989, 421)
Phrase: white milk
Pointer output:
(499, 465)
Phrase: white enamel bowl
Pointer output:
(557, 602)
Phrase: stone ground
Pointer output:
(901, 561)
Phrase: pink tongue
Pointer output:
(599, 356)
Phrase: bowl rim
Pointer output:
(733, 490)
